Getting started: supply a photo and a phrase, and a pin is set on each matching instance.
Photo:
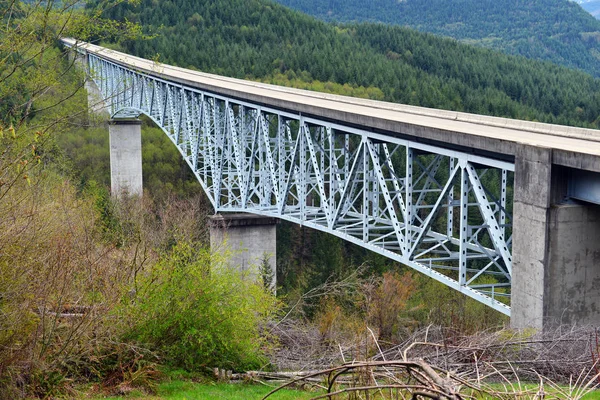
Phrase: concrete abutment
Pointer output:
(572, 284)
(556, 247)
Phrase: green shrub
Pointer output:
(199, 314)
(441, 305)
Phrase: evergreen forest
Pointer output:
(554, 30)
(262, 40)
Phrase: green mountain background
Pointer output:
(559, 31)
(591, 6)
(262, 40)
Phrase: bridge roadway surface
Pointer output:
(571, 147)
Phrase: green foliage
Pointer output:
(52, 263)
(32, 67)
(440, 305)
(88, 154)
(265, 41)
(266, 273)
(43, 225)
(198, 313)
(180, 389)
(121, 367)
(551, 30)
(388, 304)
(307, 258)
(378, 307)
(165, 173)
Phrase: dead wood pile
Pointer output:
(437, 363)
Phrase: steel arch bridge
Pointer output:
(445, 213)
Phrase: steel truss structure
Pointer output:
(445, 213)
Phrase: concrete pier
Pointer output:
(125, 157)
(96, 104)
(530, 235)
(250, 238)
(556, 247)
(572, 284)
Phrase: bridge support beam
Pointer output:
(96, 104)
(556, 251)
(125, 157)
(252, 241)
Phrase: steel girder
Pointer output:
(444, 213)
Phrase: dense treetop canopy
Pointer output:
(555, 30)
(262, 40)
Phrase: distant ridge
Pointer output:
(591, 6)
(559, 31)
(267, 42)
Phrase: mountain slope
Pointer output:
(554, 30)
(591, 6)
(258, 39)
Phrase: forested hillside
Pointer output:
(258, 39)
(591, 6)
(555, 30)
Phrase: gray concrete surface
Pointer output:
(125, 157)
(96, 105)
(248, 240)
(556, 248)
(572, 282)
(532, 195)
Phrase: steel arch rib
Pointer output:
(335, 178)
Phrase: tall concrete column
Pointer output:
(96, 105)
(125, 156)
(556, 248)
(251, 240)
(533, 168)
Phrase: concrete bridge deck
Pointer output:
(571, 146)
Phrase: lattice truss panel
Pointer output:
(444, 213)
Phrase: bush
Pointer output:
(443, 306)
(388, 304)
(199, 314)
